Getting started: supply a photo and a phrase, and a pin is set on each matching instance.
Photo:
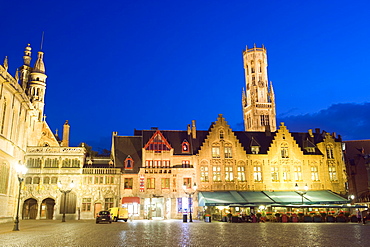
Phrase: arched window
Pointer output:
(221, 135)
(284, 150)
(330, 151)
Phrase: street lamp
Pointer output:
(189, 200)
(301, 193)
(21, 170)
(65, 192)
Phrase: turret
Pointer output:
(37, 85)
(66, 128)
(25, 69)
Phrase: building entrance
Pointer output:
(47, 209)
(29, 211)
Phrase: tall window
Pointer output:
(228, 153)
(257, 174)
(3, 117)
(150, 183)
(229, 175)
(4, 176)
(128, 183)
(204, 176)
(286, 173)
(284, 150)
(314, 173)
(332, 173)
(165, 183)
(215, 152)
(275, 174)
(221, 134)
(109, 180)
(185, 163)
(86, 204)
(99, 180)
(216, 170)
(298, 173)
(330, 151)
(241, 173)
(108, 203)
(265, 120)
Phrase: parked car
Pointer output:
(103, 216)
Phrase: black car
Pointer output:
(103, 216)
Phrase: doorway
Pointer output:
(47, 209)
(29, 211)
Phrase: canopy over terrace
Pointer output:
(273, 198)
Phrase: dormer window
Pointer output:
(255, 149)
(185, 146)
(129, 163)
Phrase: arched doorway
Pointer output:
(29, 211)
(47, 209)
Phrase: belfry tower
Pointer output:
(258, 99)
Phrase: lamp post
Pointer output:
(301, 193)
(65, 192)
(189, 199)
(21, 170)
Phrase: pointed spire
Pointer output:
(39, 65)
(5, 64)
(27, 55)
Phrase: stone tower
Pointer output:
(33, 80)
(258, 99)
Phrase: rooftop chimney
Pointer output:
(65, 141)
(193, 129)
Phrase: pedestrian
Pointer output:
(364, 216)
(359, 216)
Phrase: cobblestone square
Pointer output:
(177, 233)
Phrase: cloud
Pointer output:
(350, 120)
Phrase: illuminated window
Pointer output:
(150, 183)
(204, 177)
(314, 173)
(216, 170)
(165, 183)
(228, 151)
(298, 173)
(284, 151)
(215, 152)
(185, 146)
(229, 175)
(333, 173)
(185, 163)
(4, 176)
(265, 120)
(286, 174)
(128, 183)
(3, 117)
(330, 152)
(86, 204)
(257, 174)
(241, 173)
(275, 174)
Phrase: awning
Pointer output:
(275, 198)
(128, 200)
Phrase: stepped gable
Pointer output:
(125, 146)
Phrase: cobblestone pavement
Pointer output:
(177, 233)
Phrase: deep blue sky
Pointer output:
(142, 64)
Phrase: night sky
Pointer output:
(142, 64)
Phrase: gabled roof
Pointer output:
(128, 146)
